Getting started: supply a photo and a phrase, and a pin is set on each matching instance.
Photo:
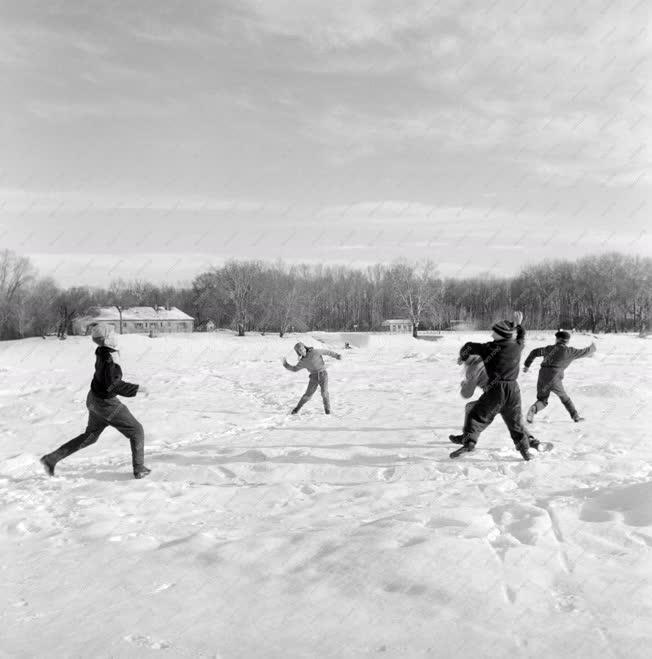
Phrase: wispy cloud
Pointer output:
(497, 115)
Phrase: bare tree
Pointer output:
(15, 273)
(41, 307)
(289, 306)
(71, 304)
(210, 301)
(415, 290)
(242, 282)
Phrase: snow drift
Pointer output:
(264, 535)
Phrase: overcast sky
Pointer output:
(153, 138)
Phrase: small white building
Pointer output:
(397, 326)
(138, 320)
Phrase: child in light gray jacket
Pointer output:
(312, 360)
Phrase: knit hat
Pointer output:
(505, 328)
(104, 335)
(562, 336)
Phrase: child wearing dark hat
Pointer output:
(104, 408)
(556, 358)
(475, 375)
(312, 360)
(501, 358)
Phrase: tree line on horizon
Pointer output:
(599, 293)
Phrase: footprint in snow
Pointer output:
(147, 642)
(414, 541)
(405, 588)
(387, 474)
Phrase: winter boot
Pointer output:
(577, 418)
(141, 472)
(456, 439)
(48, 465)
(523, 448)
(467, 447)
(295, 411)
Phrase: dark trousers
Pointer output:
(502, 398)
(318, 379)
(102, 413)
(551, 382)
(469, 406)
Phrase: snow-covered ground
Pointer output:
(259, 534)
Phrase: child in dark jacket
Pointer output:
(556, 359)
(475, 375)
(501, 358)
(104, 408)
(312, 360)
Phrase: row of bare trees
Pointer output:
(253, 295)
(608, 292)
(601, 293)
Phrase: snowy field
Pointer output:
(259, 534)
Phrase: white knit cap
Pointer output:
(104, 335)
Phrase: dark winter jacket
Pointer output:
(558, 356)
(312, 361)
(501, 358)
(107, 381)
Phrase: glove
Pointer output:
(526, 369)
(518, 317)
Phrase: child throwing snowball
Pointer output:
(501, 358)
(556, 359)
(104, 408)
(475, 375)
(312, 360)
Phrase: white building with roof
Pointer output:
(397, 325)
(138, 320)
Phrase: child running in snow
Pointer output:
(312, 360)
(556, 358)
(475, 375)
(501, 358)
(104, 409)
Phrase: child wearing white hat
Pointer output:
(104, 408)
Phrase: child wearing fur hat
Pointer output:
(556, 358)
(501, 358)
(104, 408)
(312, 360)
